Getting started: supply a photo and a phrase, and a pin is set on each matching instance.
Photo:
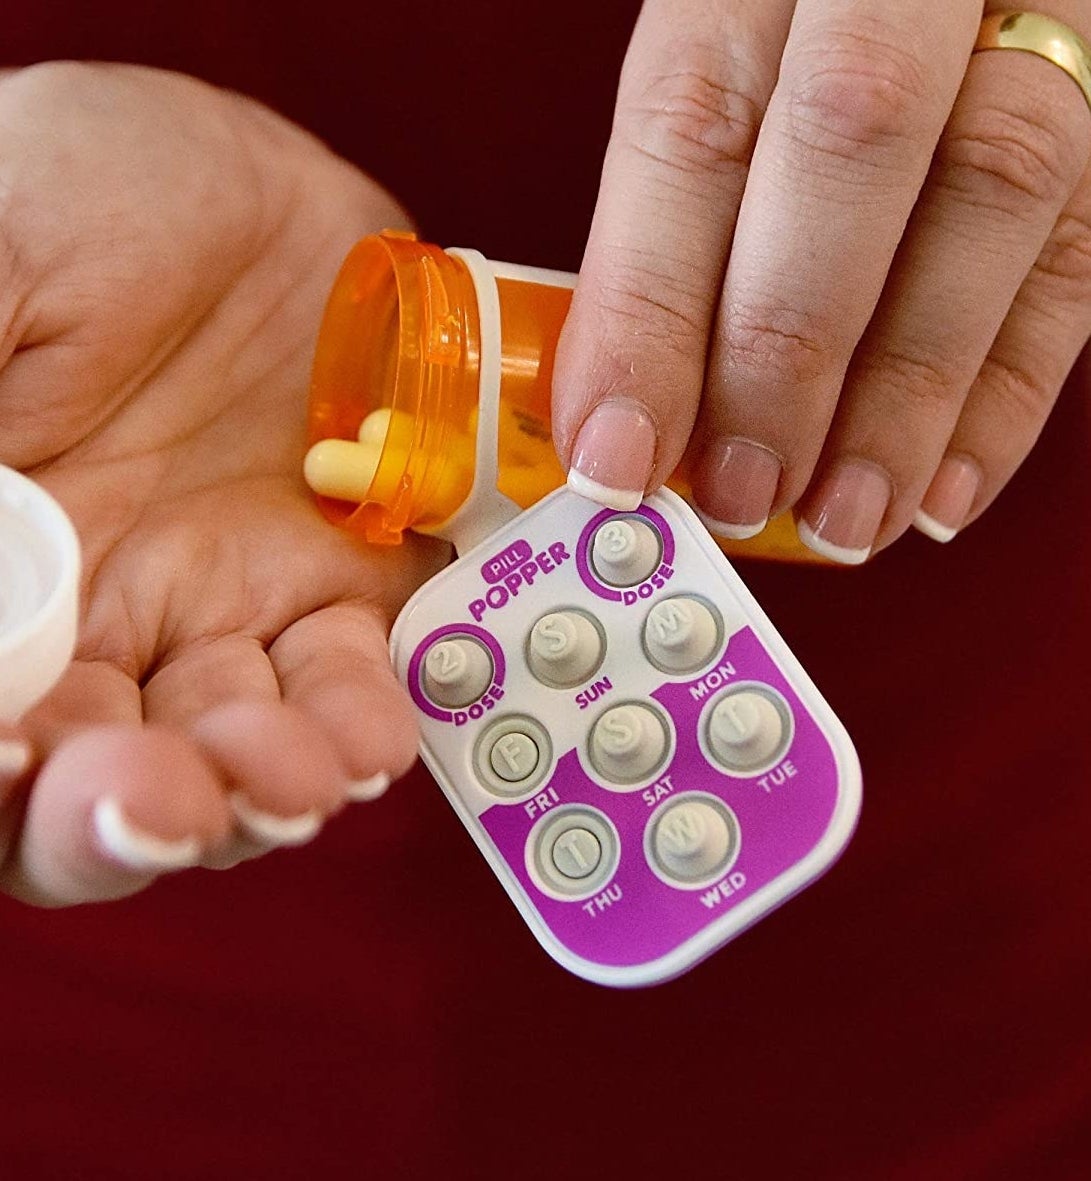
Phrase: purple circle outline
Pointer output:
(583, 547)
(417, 659)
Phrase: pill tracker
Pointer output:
(636, 752)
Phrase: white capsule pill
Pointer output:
(374, 427)
(341, 469)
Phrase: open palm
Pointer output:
(165, 252)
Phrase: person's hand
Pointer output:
(862, 252)
(165, 253)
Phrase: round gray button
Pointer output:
(628, 742)
(681, 634)
(748, 728)
(576, 853)
(572, 852)
(692, 840)
(564, 649)
(625, 551)
(513, 756)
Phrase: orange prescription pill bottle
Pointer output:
(430, 396)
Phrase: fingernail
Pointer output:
(849, 505)
(738, 481)
(137, 849)
(949, 498)
(14, 757)
(370, 788)
(613, 455)
(270, 829)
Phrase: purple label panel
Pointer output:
(510, 558)
(782, 813)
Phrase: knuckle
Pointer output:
(649, 302)
(858, 97)
(53, 82)
(1066, 257)
(1019, 395)
(1007, 160)
(920, 376)
(691, 120)
(782, 343)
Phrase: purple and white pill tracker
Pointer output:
(635, 750)
(39, 593)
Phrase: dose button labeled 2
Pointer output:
(513, 755)
(681, 634)
(457, 670)
(692, 840)
(749, 728)
(626, 551)
(564, 648)
(629, 742)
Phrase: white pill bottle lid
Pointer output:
(39, 593)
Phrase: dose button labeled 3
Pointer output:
(626, 551)
(457, 670)
(681, 634)
(692, 840)
(564, 648)
(629, 742)
(748, 729)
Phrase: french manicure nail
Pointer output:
(613, 455)
(14, 757)
(370, 788)
(949, 498)
(137, 849)
(848, 508)
(738, 482)
(270, 829)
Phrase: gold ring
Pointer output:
(1034, 33)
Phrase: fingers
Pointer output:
(113, 805)
(1039, 343)
(16, 755)
(864, 91)
(207, 674)
(216, 768)
(334, 666)
(631, 360)
(111, 809)
(1010, 158)
(283, 776)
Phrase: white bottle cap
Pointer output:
(39, 593)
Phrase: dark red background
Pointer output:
(373, 1006)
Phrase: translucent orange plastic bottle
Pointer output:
(430, 397)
